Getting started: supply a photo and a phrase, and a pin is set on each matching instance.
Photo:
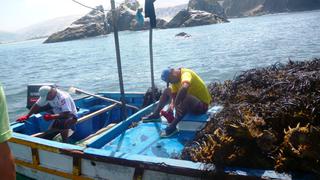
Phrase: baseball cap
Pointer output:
(43, 93)
(165, 75)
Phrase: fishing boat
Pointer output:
(103, 146)
(110, 141)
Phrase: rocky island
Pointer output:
(92, 24)
(98, 23)
(198, 12)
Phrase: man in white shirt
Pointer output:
(63, 107)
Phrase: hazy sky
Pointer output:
(16, 14)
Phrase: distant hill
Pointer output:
(39, 30)
(45, 28)
(6, 36)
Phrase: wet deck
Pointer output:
(145, 140)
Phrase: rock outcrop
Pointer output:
(92, 24)
(132, 4)
(188, 18)
(134, 25)
(97, 23)
(183, 34)
(242, 8)
(211, 6)
(125, 16)
(127, 20)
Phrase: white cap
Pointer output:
(43, 93)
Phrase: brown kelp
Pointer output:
(271, 119)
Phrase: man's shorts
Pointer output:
(200, 108)
(62, 124)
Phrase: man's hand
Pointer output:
(49, 117)
(171, 106)
(23, 118)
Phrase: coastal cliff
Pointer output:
(211, 6)
(242, 8)
(236, 8)
(290, 5)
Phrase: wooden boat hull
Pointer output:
(46, 159)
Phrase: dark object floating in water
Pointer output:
(270, 120)
(183, 34)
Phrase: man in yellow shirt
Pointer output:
(187, 92)
(7, 167)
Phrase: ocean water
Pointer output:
(215, 52)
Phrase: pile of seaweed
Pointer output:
(271, 119)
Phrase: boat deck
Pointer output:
(145, 139)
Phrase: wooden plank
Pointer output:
(79, 91)
(76, 166)
(34, 145)
(35, 156)
(47, 134)
(52, 132)
(50, 171)
(89, 138)
(84, 118)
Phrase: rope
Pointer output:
(86, 6)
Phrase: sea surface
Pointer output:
(215, 52)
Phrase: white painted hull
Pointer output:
(56, 166)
